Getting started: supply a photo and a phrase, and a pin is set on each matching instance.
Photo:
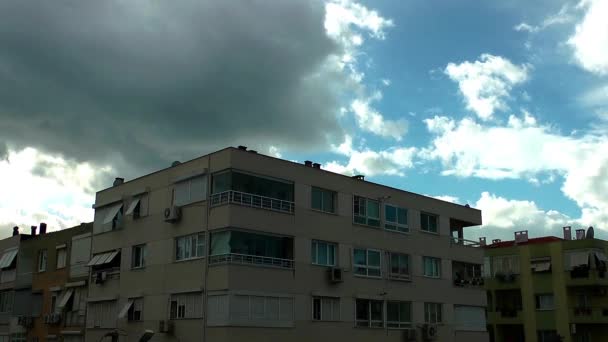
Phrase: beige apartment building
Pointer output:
(236, 246)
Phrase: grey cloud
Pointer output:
(3, 151)
(143, 83)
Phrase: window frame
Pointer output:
(314, 244)
(369, 221)
(189, 182)
(429, 215)
(59, 251)
(539, 302)
(200, 242)
(143, 255)
(400, 324)
(369, 320)
(438, 260)
(405, 229)
(366, 266)
(131, 312)
(399, 276)
(320, 300)
(334, 196)
(433, 309)
(42, 256)
(181, 305)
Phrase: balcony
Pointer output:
(455, 241)
(252, 200)
(586, 277)
(255, 260)
(589, 314)
(503, 281)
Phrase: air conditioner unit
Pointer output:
(165, 326)
(429, 332)
(173, 214)
(100, 277)
(335, 275)
(409, 335)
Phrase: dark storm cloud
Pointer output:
(147, 82)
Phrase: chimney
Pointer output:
(15, 231)
(308, 163)
(568, 233)
(482, 241)
(580, 234)
(590, 233)
(495, 241)
(242, 148)
(316, 165)
(118, 181)
(521, 236)
(33, 230)
(42, 228)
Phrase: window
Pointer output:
(367, 262)
(432, 313)
(190, 191)
(250, 310)
(323, 200)
(399, 266)
(546, 336)
(398, 314)
(138, 256)
(136, 310)
(42, 260)
(186, 305)
(432, 267)
(252, 184)
(428, 222)
(465, 273)
(505, 264)
(369, 313)
(108, 217)
(469, 318)
(138, 207)
(233, 246)
(544, 302)
(323, 253)
(325, 309)
(61, 257)
(6, 301)
(366, 211)
(190, 247)
(101, 314)
(395, 218)
(540, 265)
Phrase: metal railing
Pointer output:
(233, 258)
(464, 242)
(252, 200)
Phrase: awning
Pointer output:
(112, 212)
(601, 256)
(579, 259)
(103, 258)
(132, 206)
(7, 258)
(65, 299)
(125, 309)
(541, 266)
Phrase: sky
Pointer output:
(499, 105)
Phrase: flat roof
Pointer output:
(532, 241)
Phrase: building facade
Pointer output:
(547, 289)
(237, 246)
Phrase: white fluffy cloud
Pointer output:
(590, 39)
(562, 17)
(391, 161)
(486, 83)
(370, 120)
(37, 187)
(525, 149)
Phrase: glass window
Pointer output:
(469, 318)
(369, 313)
(399, 266)
(6, 301)
(190, 247)
(323, 200)
(432, 313)
(42, 254)
(428, 222)
(367, 262)
(395, 218)
(366, 211)
(136, 310)
(250, 184)
(186, 305)
(61, 257)
(190, 191)
(544, 302)
(138, 256)
(323, 253)
(432, 267)
(325, 309)
(398, 314)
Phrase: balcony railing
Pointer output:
(252, 200)
(233, 258)
(590, 314)
(464, 242)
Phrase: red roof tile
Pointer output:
(532, 241)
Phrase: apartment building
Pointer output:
(237, 246)
(548, 288)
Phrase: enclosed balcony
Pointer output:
(467, 274)
(245, 248)
(253, 191)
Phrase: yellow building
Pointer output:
(547, 289)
